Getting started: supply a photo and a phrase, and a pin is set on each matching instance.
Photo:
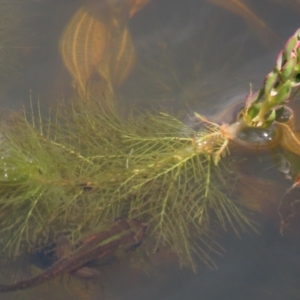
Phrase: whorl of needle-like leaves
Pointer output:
(84, 166)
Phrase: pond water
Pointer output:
(191, 55)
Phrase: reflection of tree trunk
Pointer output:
(97, 41)
(260, 28)
(82, 47)
(135, 6)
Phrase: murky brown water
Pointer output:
(191, 55)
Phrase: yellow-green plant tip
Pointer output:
(282, 94)
(288, 69)
(270, 81)
(289, 46)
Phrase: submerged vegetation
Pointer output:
(85, 166)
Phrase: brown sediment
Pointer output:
(114, 241)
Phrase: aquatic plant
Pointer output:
(85, 166)
(266, 108)
(260, 109)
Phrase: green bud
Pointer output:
(270, 120)
(270, 81)
(289, 46)
(295, 79)
(253, 111)
(282, 95)
(298, 54)
(288, 69)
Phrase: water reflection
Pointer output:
(191, 55)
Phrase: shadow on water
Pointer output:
(191, 55)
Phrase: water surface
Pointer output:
(191, 55)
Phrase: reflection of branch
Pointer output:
(284, 222)
(239, 8)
